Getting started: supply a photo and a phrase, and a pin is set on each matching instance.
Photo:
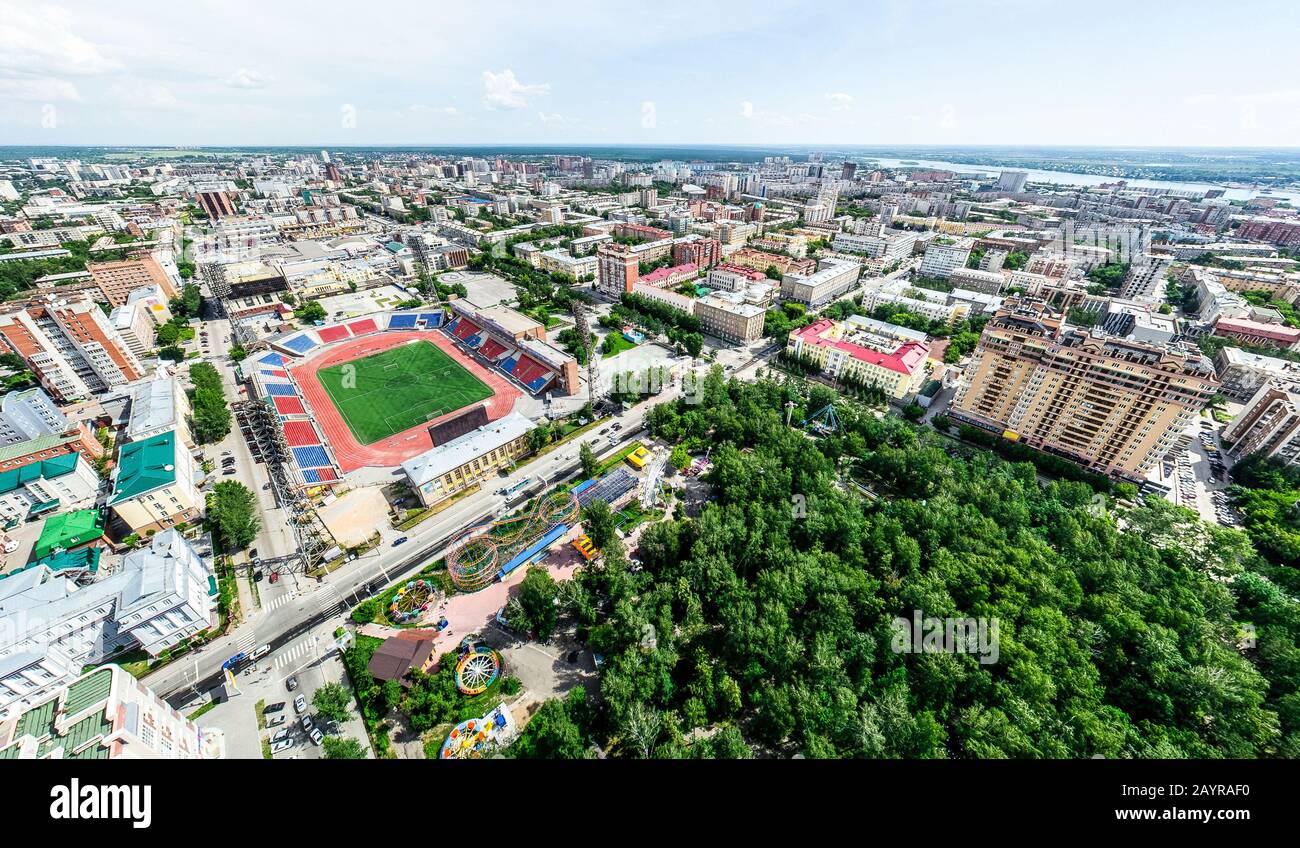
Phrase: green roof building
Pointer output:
(69, 530)
(144, 466)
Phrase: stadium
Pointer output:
(378, 390)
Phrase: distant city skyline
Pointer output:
(777, 72)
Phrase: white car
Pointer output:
(276, 720)
(300, 704)
(316, 736)
(280, 735)
(283, 745)
(307, 724)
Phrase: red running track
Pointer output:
(393, 450)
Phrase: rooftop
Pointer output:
(68, 530)
(144, 466)
(437, 461)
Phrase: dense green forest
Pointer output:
(762, 626)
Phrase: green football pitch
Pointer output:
(388, 392)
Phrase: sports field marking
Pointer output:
(381, 394)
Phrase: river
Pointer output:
(1069, 178)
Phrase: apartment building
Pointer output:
(943, 257)
(1278, 231)
(71, 347)
(28, 414)
(933, 305)
(1269, 424)
(137, 320)
(697, 250)
(858, 349)
(106, 714)
(617, 269)
(116, 280)
(884, 246)
(1258, 333)
(1242, 373)
(153, 485)
(733, 277)
(730, 318)
(832, 278)
(758, 260)
(1146, 279)
(989, 282)
(1113, 405)
(465, 461)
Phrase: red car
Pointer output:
(275, 575)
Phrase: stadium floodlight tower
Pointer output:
(580, 316)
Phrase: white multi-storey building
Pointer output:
(50, 629)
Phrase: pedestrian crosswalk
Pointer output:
(296, 653)
(277, 602)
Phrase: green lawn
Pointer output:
(619, 343)
(386, 393)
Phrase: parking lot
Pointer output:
(1199, 475)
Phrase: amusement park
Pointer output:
(451, 628)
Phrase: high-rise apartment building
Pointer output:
(617, 269)
(28, 415)
(1012, 181)
(71, 347)
(1114, 405)
(1269, 424)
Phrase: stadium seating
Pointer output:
(336, 333)
(300, 343)
(360, 328)
(432, 320)
(492, 349)
(404, 321)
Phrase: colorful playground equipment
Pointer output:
(492, 550)
(477, 669)
(584, 546)
(477, 737)
(411, 601)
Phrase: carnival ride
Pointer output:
(824, 421)
(477, 669)
(477, 737)
(411, 601)
(494, 549)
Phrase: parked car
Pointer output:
(276, 720)
(300, 704)
(316, 736)
(307, 724)
(282, 745)
(277, 707)
(291, 683)
(280, 735)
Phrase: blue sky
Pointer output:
(760, 72)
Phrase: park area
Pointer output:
(391, 391)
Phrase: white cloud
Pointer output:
(147, 96)
(248, 78)
(40, 40)
(840, 101)
(44, 90)
(746, 109)
(552, 118)
(503, 91)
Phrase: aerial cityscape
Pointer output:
(546, 423)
